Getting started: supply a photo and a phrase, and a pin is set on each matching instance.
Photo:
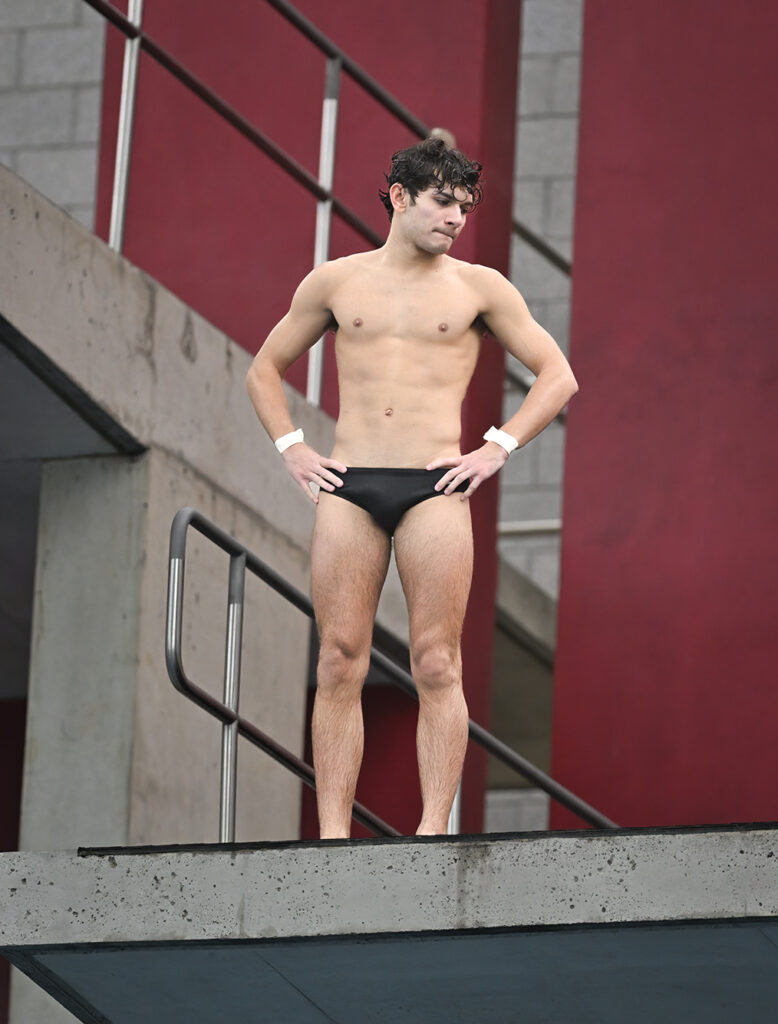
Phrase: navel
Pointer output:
(443, 327)
(357, 321)
(388, 412)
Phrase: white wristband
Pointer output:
(288, 439)
(502, 438)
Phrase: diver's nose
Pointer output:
(455, 217)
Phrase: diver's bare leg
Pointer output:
(349, 560)
(434, 552)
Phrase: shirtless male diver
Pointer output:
(408, 322)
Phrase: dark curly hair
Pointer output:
(432, 162)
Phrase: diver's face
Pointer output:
(436, 218)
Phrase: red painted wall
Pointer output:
(218, 224)
(666, 705)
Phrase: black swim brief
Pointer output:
(387, 494)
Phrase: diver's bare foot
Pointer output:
(424, 830)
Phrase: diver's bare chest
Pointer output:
(386, 309)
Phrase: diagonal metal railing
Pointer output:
(338, 62)
(227, 709)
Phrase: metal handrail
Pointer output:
(121, 169)
(243, 125)
(529, 527)
(321, 187)
(233, 724)
(337, 62)
(334, 53)
(534, 241)
(369, 84)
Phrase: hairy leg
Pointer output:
(434, 553)
(349, 560)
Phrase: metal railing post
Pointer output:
(529, 528)
(229, 777)
(121, 168)
(321, 245)
(454, 817)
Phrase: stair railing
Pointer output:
(338, 62)
(227, 709)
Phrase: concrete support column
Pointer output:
(83, 669)
(83, 658)
(114, 754)
(176, 747)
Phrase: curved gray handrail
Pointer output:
(227, 712)
(241, 559)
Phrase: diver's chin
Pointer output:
(443, 242)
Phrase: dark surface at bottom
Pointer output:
(711, 972)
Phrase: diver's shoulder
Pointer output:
(344, 266)
(476, 275)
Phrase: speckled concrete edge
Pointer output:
(367, 888)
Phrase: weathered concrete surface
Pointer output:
(163, 372)
(113, 753)
(89, 561)
(388, 886)
(176, 751)
(502, 929)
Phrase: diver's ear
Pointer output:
(398, 196)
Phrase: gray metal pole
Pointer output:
(452, 829)
(175, 593)
(231, 697)
(529, 528)
(321, 246)
(121, 168)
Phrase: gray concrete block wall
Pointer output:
(544, 198)
(51, 68)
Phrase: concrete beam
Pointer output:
(388, 886)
